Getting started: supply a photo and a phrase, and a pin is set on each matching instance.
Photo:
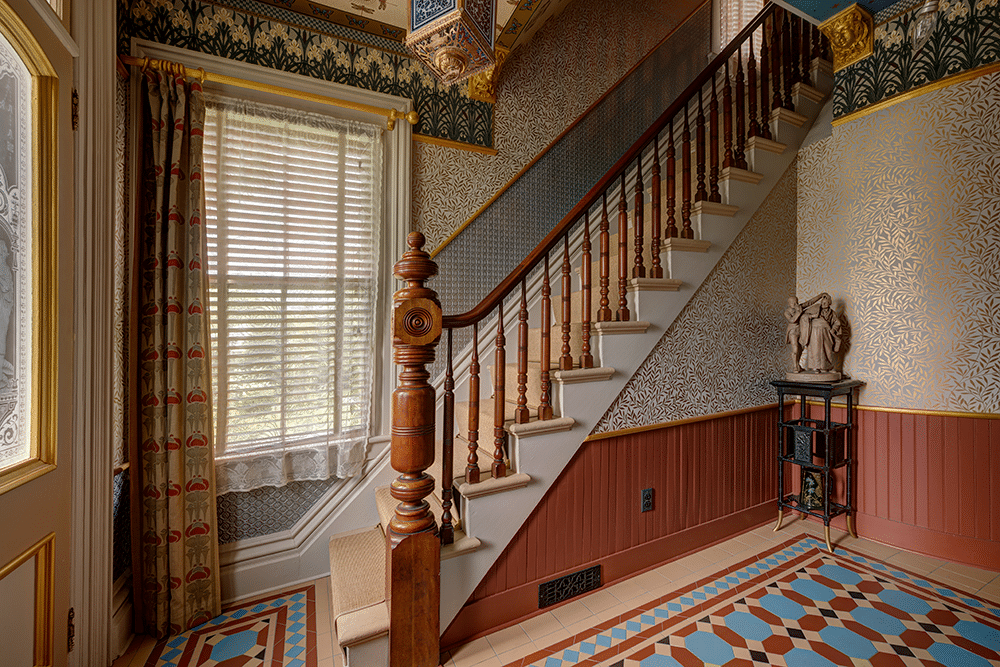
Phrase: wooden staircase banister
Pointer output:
(521, 271)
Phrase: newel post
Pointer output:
(413, 575)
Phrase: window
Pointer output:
(732, 16)
(294, 215)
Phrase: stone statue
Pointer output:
(816, 329)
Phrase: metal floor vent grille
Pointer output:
(571, 585)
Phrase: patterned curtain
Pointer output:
(179, 559)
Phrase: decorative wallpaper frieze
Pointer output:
(544, 86)
(967, 36)
(319, 50)
(701, 364)
(899, 220)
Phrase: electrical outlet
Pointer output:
(647, 500)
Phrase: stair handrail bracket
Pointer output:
(413, 549)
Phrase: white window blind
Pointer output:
(293, 206)
(735, 15)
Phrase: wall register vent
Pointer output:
(566, 587)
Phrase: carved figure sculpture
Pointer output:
(816, 329)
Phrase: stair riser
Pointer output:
(555, 338)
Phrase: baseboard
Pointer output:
(946, 546)
(517, 604)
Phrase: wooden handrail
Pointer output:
(520, 272)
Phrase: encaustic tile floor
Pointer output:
(761, 598)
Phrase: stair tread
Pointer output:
(357, 570)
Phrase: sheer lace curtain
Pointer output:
(733, 15)
(294, 215)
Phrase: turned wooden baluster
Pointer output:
(655, 270)
(765, 69)
(775, 47)
(713, 119)
(701, 194)
(787, 58)
(754, 128)
(413, 549)
(804, 52)
(521, 414)
(545, 401)
(727, 120)
(472, 463)
(499, 466)
(638, 269)
(817, 51)
(671, 182)
(623, 313)
(586, 358)
(566, 359)
(447, 530)
(794, 44)
(686, 231)
(604, 313)
(739, 151)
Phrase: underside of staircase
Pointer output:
(485, 515)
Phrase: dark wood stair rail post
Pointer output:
(413, 549)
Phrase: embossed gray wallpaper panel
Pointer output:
(728, 342)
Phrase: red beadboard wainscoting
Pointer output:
(928, 483)
(711, 477)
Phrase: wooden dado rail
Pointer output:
(733, 100)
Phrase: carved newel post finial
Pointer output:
(416, 329)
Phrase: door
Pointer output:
(36, 335)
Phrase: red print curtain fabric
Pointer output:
(178, 560)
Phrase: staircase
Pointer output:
(559, 338)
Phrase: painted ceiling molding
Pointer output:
(898, 219)
(967, 37)
(821, 11)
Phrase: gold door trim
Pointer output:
(44, 553)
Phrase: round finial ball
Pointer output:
(415, 240)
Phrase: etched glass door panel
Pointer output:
(15, 259)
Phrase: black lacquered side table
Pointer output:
(817, 447)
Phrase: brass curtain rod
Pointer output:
(391, 115)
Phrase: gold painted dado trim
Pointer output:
(914, 411)
(391, 115)
(44, 234)
(44, 638)
(851, 34)
(450, 143)
(532, 161)
(961, 77)
(679, 422)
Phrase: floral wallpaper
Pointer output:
(967, 36)
(700, 366)
(286, 41)
(898, 220)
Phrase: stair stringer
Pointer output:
(544, 457)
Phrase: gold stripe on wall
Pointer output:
(917, 92)
(914, 411)
(593, 437)
(450, 143)
(44, 640)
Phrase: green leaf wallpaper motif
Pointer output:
(967, 36)
(248, 36)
